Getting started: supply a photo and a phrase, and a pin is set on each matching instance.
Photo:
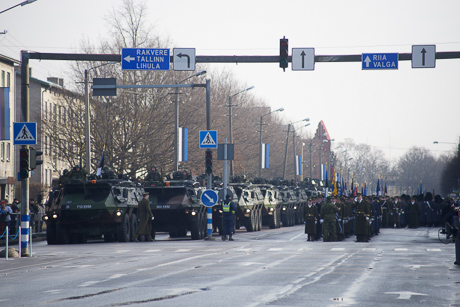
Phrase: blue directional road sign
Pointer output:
(145, 59)
(208, 139)
(25, 133)
(209, 198)
(379, 61)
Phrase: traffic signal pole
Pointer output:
(25, 225)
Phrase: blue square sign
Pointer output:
(208, 139)
(25, 133)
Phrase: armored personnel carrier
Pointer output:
(79, 210)
(177, 207)
(249, 206)
(271, 211)
(288, 207)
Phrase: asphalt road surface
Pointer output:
(399, 267)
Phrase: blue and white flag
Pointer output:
(5, 113)
(378, 188)
(183, 144)
(298, 165)
(265, 155)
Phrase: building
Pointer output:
(7, 111)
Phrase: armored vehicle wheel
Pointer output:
(51, 233)
(272, 221)
(81, 238)
(250, 222)
(123, 233)
(109, 237)
(285, 219)
(260, 220)
(195, 229)
(62, 234)
(133, 223)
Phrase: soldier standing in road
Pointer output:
(310, 214)
(145, 218)
(413, 213)
(228, 212)
(362, 214)
(328, 214)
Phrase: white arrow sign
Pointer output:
(210, 199)
(367, 61)
(129, 59)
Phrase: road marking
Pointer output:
(337, 249)
(250, 263)
(298, 280)
(55, 291)
(369, 249)
(90, 283)
(405, 295)
(117, 276)
(183, 250)
(400, 249)
(433, 249)
(83, 266)
(152, 250)
(243, 249)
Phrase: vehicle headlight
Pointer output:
(248, 210)
(284, 208)
(193, 212)
(55, 216)
(45, 218)
(118, 213)
(272, 209)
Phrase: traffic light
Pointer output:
(33, 158)
(208, 162)
(24, 163)
(284, 53)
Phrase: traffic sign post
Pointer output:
(25, 133)
(423, 56)
(209, 198)
(184, 59)
(145, 59)
(379, 61)
(303, 58)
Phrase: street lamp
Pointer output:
(260, 137)
(287, 140)
(230, 121)
(20, 4)
(176, 120)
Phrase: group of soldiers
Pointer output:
(340, 217)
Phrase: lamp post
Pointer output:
(230, 121)
(260, 137)
(176, 120)
(287, 140)
(20, 4)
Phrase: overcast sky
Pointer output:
(392, 110)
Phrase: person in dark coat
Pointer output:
(413, 213)
(228, 220)
(363, 214)
(328, 214)
(310, 216)
(145, 218)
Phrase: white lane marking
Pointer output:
(400, 249)
(405, 295)
(368, 249)
(152, 250)
(182, 250)
(116, 276)
(433, 249)
(337, 249)
(90, 283)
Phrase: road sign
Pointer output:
(25, 133)
(423, 56)
(208, 139)
(303, 58)
(144, 59)
(184, 59)
(380, 61)
(105, 92)
(209, 198)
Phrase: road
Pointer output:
(399, 267)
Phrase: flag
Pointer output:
(298, 165)
(325, 187)
(421, 188)
(265, 155)
(336, 188)
(365, 189)
(101, 166)
(5, 113)
(183, 144)
(342, 188)
(386, 190)
(352, 186)
(377, 191)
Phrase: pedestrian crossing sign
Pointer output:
(208, 139)
(25, 133)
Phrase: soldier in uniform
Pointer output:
(328, 214)
(153, 174)
(64, 178)
(77, 173)
(145, 218)
(413, 213)
(310, 216)
(362, 215)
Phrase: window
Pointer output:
(8, 81)
(8, 150)
(2, 152)
(45, 145)
(3, 78)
